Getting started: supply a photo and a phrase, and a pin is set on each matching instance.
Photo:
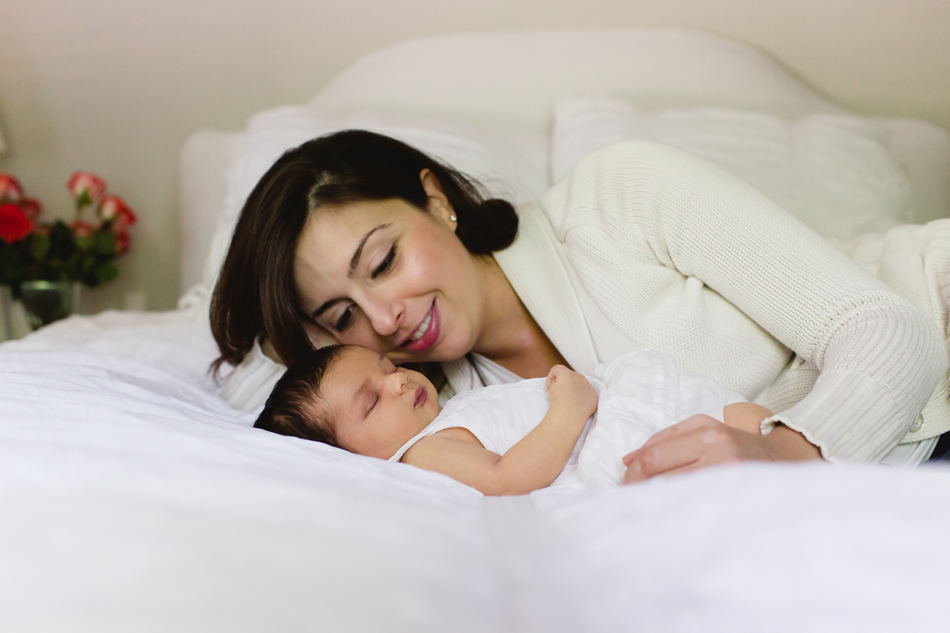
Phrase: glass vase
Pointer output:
(12, 321)
(47, 301)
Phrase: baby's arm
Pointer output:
(745, 416)
(532, 463)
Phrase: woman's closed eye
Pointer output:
(345, 319)
(384, 266)
(348, 315)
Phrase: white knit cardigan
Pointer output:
(644, 246)
(647, 246)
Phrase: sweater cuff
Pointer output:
(839, 426)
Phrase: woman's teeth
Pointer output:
(418, 334)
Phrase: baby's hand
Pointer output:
(568, 388)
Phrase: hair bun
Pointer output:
(493, 227)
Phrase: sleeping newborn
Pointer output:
(565, 429)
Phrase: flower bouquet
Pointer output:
(59, 251)
(42, 255)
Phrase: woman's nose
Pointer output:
(385, 316)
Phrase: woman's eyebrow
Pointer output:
(323, 308)
(355, 260)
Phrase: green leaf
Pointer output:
(61, 240)
(39, 246)
(106, 272)
(84, 243)
(104, 243)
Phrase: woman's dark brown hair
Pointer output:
(256, 294)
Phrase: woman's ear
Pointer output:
(438, 205)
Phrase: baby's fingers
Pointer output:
(556, 371)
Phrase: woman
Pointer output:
(362, 237)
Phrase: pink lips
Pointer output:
(421, 396)
(431, 336)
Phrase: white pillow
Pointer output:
(831, 171)
(510, 165)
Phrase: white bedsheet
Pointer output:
(134, 499)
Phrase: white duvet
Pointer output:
(134, 499)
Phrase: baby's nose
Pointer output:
(397, 382)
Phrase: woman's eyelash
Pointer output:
(386, 264)
(345, 320)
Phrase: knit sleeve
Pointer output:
(879, 357)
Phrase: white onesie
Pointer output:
(640, 393)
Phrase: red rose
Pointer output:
(32, 208)
(14, 225)
(122, 243)
(81, 228)
(86, 187)
(10, 189)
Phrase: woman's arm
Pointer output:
(745, 416)
(681, 227)
(534, 462)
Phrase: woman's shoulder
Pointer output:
(631, 157)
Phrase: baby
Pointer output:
(502, 440)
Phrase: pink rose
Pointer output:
(10, 189)
(122, 243)
(124, 219)
(14, 225)
(81, 228)
(32, 208)
(86, 188)
(112, 207)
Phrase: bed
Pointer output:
(136, 496)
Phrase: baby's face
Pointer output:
(375, 406)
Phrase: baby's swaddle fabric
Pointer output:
(640, 393)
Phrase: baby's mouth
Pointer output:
(421, 396)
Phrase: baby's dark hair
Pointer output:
(292, 407)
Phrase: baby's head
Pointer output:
(353, 398)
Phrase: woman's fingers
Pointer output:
(703, 445)
(688, 425)
(664, 456)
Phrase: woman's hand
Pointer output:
(570, 389)
(700, 441)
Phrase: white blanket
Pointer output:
(134, 499)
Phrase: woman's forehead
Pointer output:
(350, 221)
(360, 213)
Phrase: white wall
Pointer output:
(115, 86)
